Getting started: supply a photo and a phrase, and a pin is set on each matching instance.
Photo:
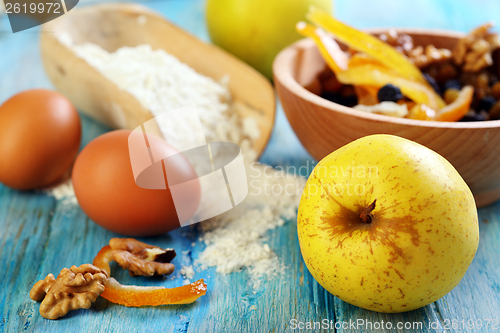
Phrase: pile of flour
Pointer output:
(235, 239)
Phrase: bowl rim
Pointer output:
(282, 71)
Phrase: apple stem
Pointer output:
(366, 214)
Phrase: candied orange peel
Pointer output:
(367, 70)
(135, 296)
(379, 76)
(458, 108)
(367, 44)
(335, 58)
(421, 112)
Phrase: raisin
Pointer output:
(350, 100)
(482, 81)
(389, 93)
(473, 117)
(493, 81)
(348, 96)
(486, 103)
(433, 83)
(446, 72)
(331, 96)
(452, 84)
(332, 84)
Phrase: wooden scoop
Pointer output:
(112, 26)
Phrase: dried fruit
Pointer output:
(421, 112)
(459, 108)
(389, 93)
(334, 57)
(495, 111)
(451, 95)
(366, 95)
(372, 63)
(432, 82)
(368, 44)
(378, 76)
(348, 95)
(486, 103)
(370, 71)
(495, 90)
(473, 116)
(139, 296)
(482, 81)
(446, 72)
(452, 84)
(330, 83)
(134, 296)
(332, 97)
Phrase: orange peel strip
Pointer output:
(367, 95)
(368, 44)
(459, 108)
(359, 59)
(366, 71)
(370, 74)
(135, 296)
(328, 47)
(421, 112)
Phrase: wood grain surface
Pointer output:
(39, 235)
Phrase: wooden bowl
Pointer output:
(323, 126)
(112, 26)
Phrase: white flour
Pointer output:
(188, 273)
(63, 192)
(234, 240)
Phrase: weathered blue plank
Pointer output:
(40, 235)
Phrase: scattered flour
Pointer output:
(236, 239)
(187, 272)
(63, 192)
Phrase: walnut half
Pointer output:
(75, 288)
(423, 57)
(473, 52)
(141, 258)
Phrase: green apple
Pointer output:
(256, 30)
(387, 224)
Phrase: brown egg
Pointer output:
(107, 191)
(39, 138)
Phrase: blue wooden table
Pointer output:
(39, 235)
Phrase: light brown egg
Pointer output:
(40, 136)
(107, 191)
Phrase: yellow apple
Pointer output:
(387, 224)
(256, 30)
